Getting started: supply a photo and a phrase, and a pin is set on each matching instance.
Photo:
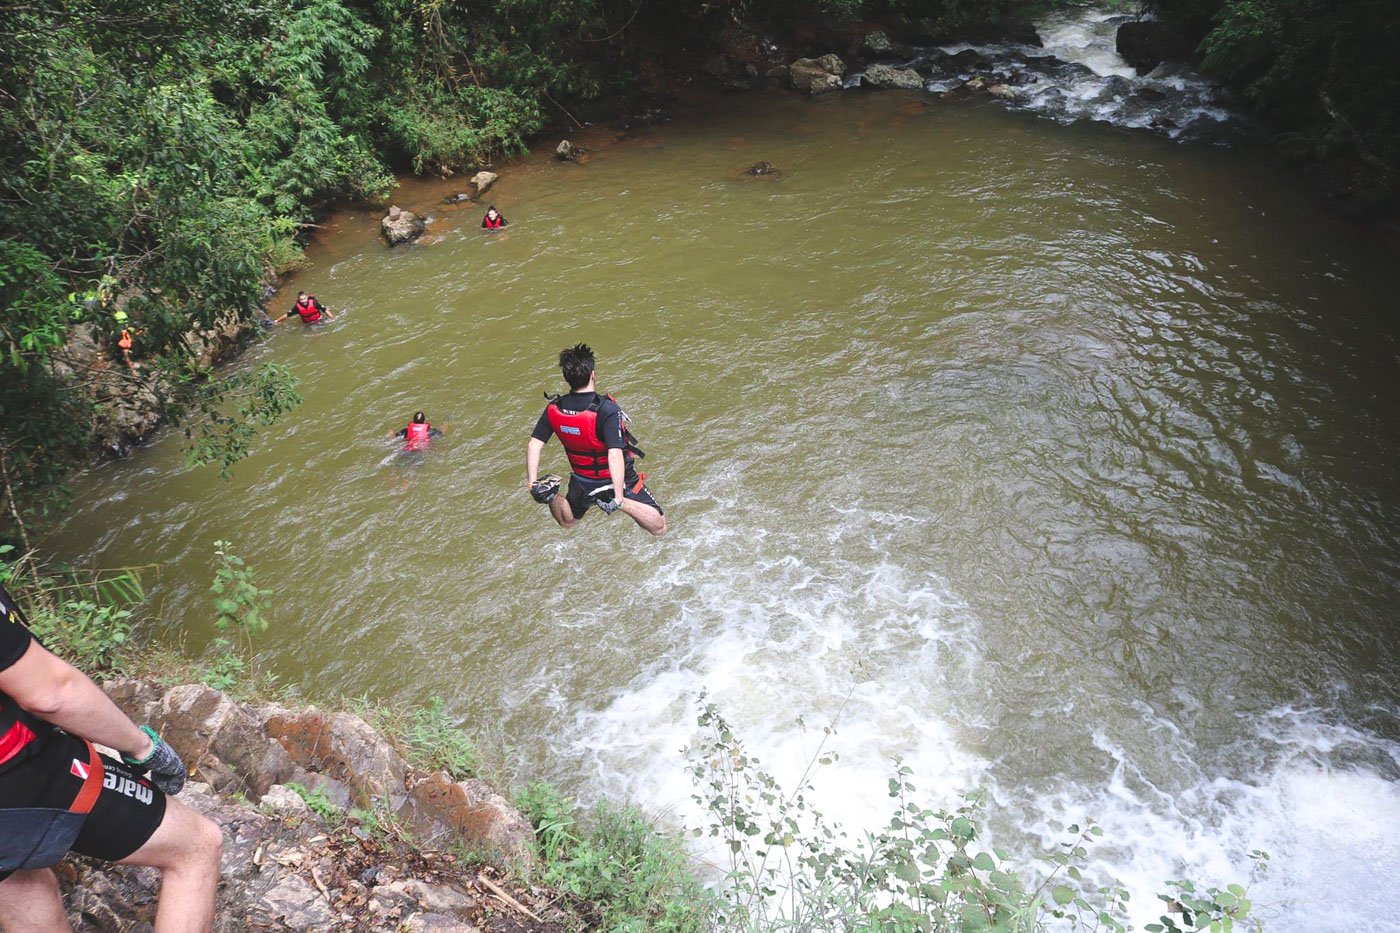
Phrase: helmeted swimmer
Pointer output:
(418, 433)
(309, 309)
(494, 219)
(596, 435)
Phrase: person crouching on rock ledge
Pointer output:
(58, 793)
(494, 219)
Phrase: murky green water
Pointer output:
(1067, 454)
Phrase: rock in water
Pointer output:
(460, 197)
(1145, 45)
(883, 76)
(567, 151)
(761, 168)
(483, 181)
(817, 75)
(876, 44)
(402, 226)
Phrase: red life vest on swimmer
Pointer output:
(310, 314)
(578, 432)
(490, 224)
(417, 436)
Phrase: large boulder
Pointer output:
(884, 76)
(1147, 44)
(401, 226)
(817, 75)
(482, 181)
(220, 741)
(341, 746)
(876, 44)
(470, 811)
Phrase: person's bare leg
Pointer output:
(30, 903)
(563, 514)
(186, 848)
(645, 515)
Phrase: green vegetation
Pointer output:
(620, 871)
(1323, 70)
(789, 868)
(426, 736)
(239, 604)
(85, 618)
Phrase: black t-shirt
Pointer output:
(14, 642)
(14, 631)
(609, 423)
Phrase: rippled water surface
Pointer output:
(1064, 456)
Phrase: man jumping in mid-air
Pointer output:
(594, 431)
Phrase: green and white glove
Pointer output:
(168, 772)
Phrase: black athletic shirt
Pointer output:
(609, 419)
(14, 642)
(14, 633)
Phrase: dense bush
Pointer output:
(1324, 69)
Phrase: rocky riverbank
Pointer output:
(327, 826)
(127, 406)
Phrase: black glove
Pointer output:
(545, 489)
(610, 506)
(167, 771)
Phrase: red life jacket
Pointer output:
(417, 436)
(578, 432)
(310, 314)
(490, 224)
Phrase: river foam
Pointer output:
(1077, 74)
(899, 662)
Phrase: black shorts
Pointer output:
(580, 500)
(126, 814)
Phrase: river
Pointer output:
(1062, 455)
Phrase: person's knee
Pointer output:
(26, 885)
(210, 840)
(659, 529)
(200, 847)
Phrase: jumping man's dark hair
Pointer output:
(419, 417)
(577, 364)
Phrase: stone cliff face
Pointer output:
(440, 854)
(128, 406)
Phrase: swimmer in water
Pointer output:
(308, 309)
(418, 434)
(494, 219)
